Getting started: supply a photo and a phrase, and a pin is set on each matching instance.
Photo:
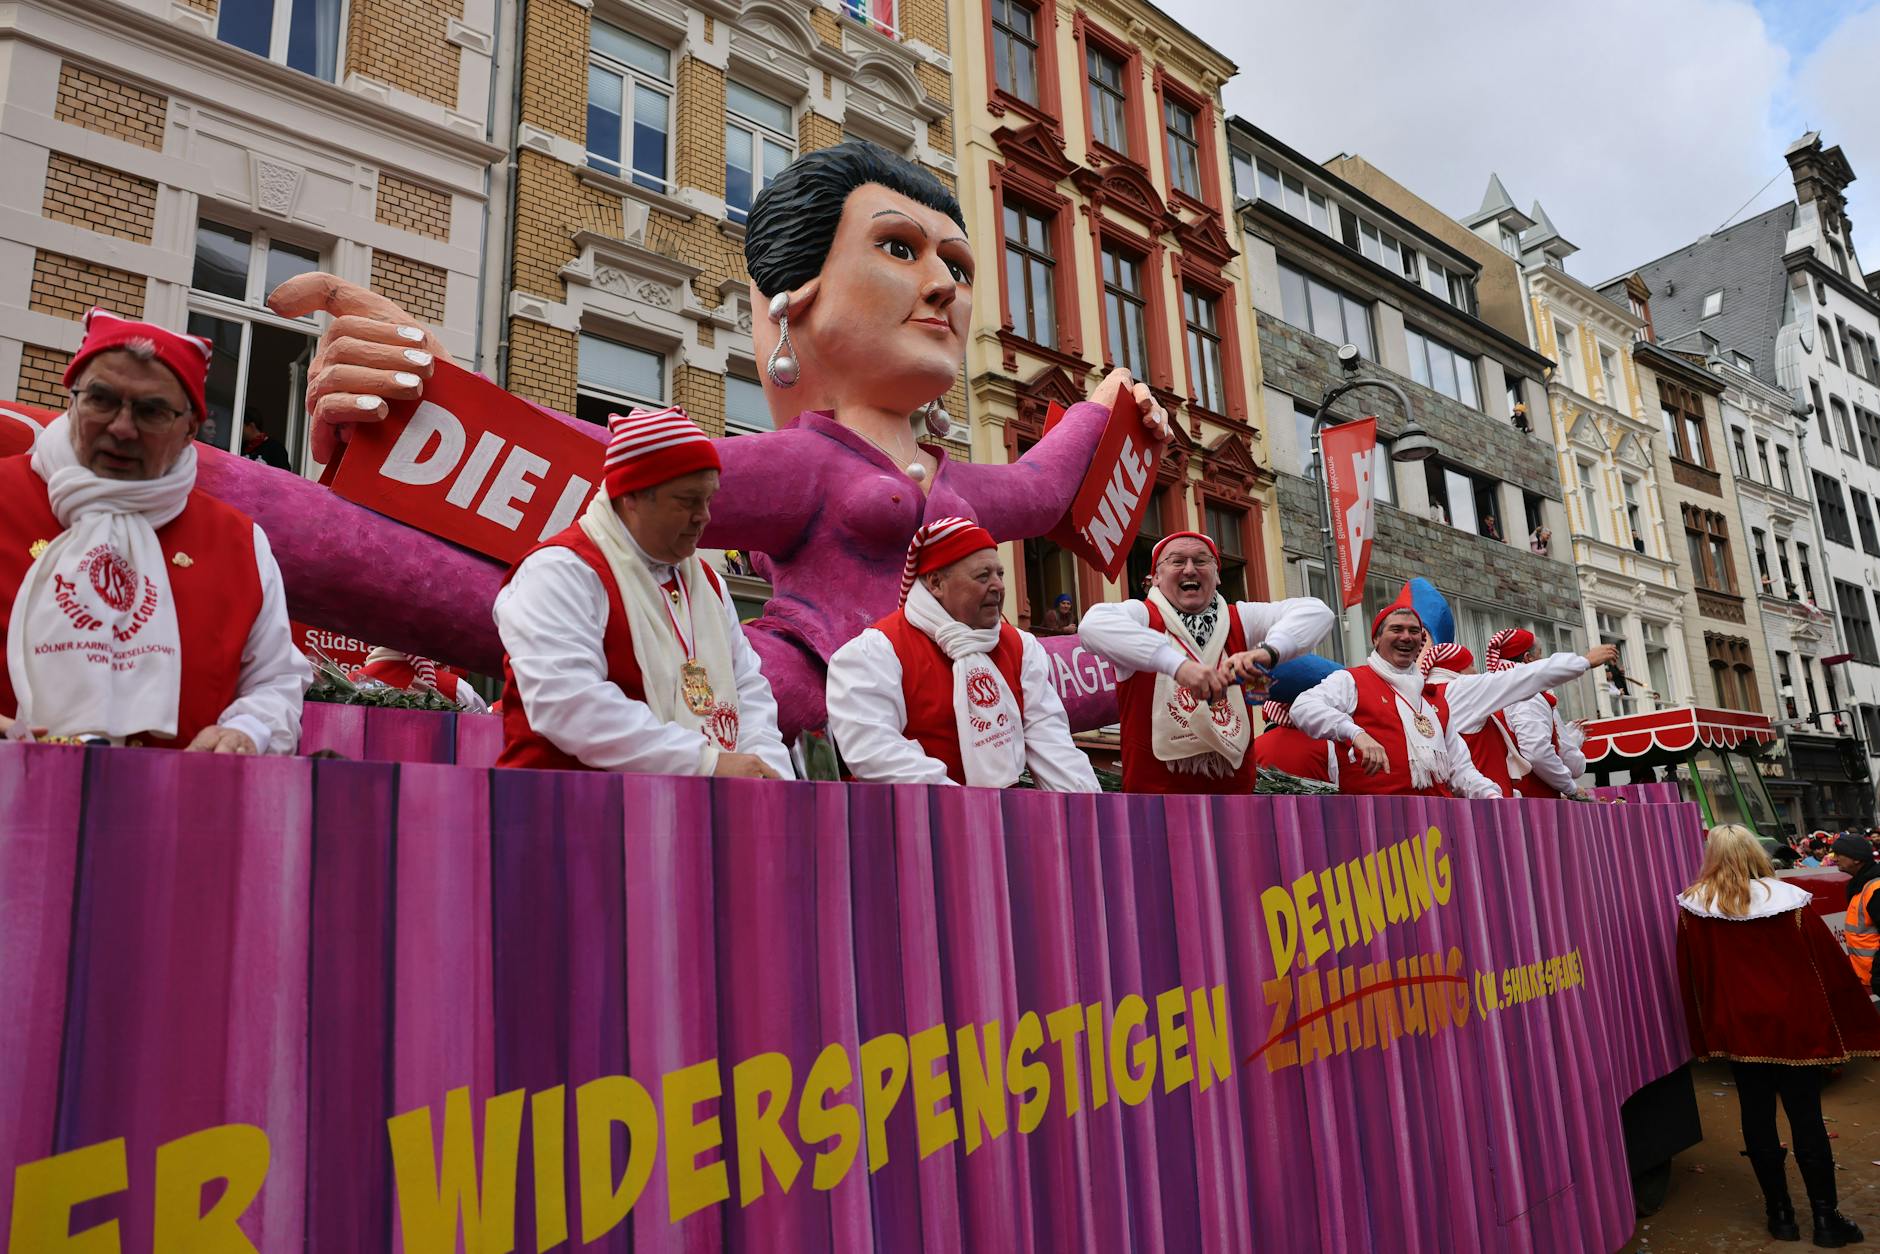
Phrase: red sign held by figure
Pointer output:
(1347, 451)
(473, 464)
(1110, 503)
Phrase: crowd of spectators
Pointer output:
(1817, 848)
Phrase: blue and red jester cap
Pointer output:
(1431, 606)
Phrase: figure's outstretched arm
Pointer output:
(769, 490)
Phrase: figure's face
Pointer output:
(667, 521)
(142, 435)
(971, 590)
(1401, 638)
(1188, 575)
(887, 328)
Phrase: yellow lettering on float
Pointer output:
(46, 1190)
(1340, 920)
(548, 1150)
(982, 1084)
(690, 1188)
(1030, 1078)
(934, 1129)
(1177, 1068)
(1311, 935)
(1207, 1016)
(1099, 1066)
(761, 1139)
(235, 1152)
(1441, 882)
(817, 1122)
(1131, 1087)
(1315, 1036)
(1282, 927)
(884, 1075)
(1065, 1026)
(598, 1106)
(1365, 901)
(1279, 1053)
(434, 1192)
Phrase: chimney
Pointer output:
(1821, 175)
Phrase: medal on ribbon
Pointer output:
(696, 687)
(1424, 726)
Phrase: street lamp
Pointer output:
(1413, 444)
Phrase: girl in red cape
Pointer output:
(1767, 987)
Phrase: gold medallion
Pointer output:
(696, 687)
(1424, 726)
(37, 547)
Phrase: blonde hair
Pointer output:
(1733, 860)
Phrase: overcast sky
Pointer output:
(1639, 124)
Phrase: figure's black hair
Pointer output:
(794, 220)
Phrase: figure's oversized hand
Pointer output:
(1154, 417)
(372, 352)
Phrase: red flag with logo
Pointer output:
(1347, 452)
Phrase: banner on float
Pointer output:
(400, 1009)
(347, 651)
(1347, 451)
(1108, 509)
(473, 464)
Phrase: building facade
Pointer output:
(644, 132)
(1093, 158)
(1333, 264)
(1783, 295)
(176, 160)
(1723, 638)
(1622, 543)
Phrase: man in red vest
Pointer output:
(1550, 746)
(621, 649)
(136, 609)
(1400, 727)
(1476, 712)
(943, 690)
(1178, 654)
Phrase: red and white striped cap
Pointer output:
(651, 446)
(1508, 646)
(941, 542)
(1449, 657)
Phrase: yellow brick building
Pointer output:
(1094, 173)
(174, 161)
(643, 133)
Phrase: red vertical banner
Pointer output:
(1347, 451)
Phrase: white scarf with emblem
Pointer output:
(991, 727)
(1191, 739)
(1429, 755)
(93, 649)
(654, 621)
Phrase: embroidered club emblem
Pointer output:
(113, 577)
(982, 690)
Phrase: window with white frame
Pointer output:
(629, 106)
(1325, 311)
(1609, 374)
(1125, 311)
(1436, 365)
(1109, 99)
(760, 140)
(1511, 242)
(1184, 147)
(1634, 514)
(1454, 286)
(257, 383)
(1290, 193)
(1713, 304)
(300, 34)
(746, 410)
(1246, 180)
(1658, 660)
(1565, 357)
(1201, 313)
(1589, 497)
(615, 378)
(1385, 249)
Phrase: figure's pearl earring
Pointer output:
(782, 367)
(939, 422)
